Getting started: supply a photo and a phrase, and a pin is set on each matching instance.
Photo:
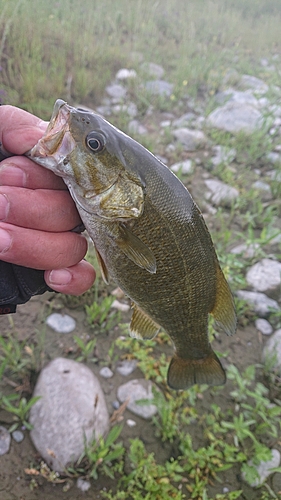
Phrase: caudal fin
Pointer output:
(183, 373)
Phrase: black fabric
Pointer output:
(18, 284)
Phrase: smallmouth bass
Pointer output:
(150, 237)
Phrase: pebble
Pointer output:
(236, 117)
(70, 412)
(184, 120)
(135, 127)
(190, 139)
(159, 87)
(131, 423)
(264, 468)
(262, 304)
(105, 372)
(272, 349)
(116, 91)
(126, 74)
(184, 167)
(130, 109)
(126, 367)
(263, 326)
(265, 276)
(120, 306)
(18, 436)
(248, 251)
(5, 440)
(61, 323)
(264, 190)
(273, 157)
(254, 83)
(82, 484)
(223, 155)
(152, 69)
(134, 390)
(115, 405)
(220, 193)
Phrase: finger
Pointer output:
(42, 209)
(40, 250)
(19, 129)
(73, 280)
(22, 172)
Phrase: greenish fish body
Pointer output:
(149, 235)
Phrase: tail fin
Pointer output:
(183, 373)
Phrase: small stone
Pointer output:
(223, 155)
(126, 367)
(159, 87)
(251, 82)
(190, 139)
(264, 189)
(265, 276)
(135, 390)
(263, 326)
(116, 91)
(5, 440)
(71, 411)
(272, 349)
(236, 117)
(120, 306)
(248, 251)
(105, 372)
(262, 304)
(82, 484)
(126, 74)
(18, 436)
(184, 167)
(131, 423)
(130, 109)
(273, 157)
(116, 405)
(220, 193)
(184, 120)
(152, 69)
(264, 468)
(225, 489)
(61, 323)
(135, 127)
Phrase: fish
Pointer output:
(149, 235)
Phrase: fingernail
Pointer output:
(60, 277)
(5, 241)
(4, 207)
(10, 175)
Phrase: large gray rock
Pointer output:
(265, 276)
(220, 193)
(262, 304)
(71, 410)
(135, 390)
(236, 117)
(254, 83)
(190, 139)
(272, 349)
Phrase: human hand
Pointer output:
(37, 212)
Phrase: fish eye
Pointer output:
(95, 142)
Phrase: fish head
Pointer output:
(91, 156)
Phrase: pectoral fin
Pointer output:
(102, 266)
(142, 326)
(224, 310)
(135, 249)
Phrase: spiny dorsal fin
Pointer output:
(224, 310)
(142, 326)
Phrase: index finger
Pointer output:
(19, 130)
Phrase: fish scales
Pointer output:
(150, 237)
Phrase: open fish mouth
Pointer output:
(57, 142)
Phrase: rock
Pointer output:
(71, 410)
(251, 82)
(265, 276)
(190, 139)
(220, 193)
(5, 440)
(184, 167)
(264, 468)
(184, 120)
(61, 323)
(135, 127)
(152, 69)
(223, 155)
(126, 367)
(134, 390)
(231, 77)
(126, 74)
(272, 349)
(263, 326)
(131, 423)
(273, 157)
(248, 251)
(18, 436)
(120, 306)
(262, 304)
(264, 189)
(130, 109)
(236, 117)
(159, 87)
(105, 372)
(116, 91)
(83, 484)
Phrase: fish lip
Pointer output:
(57, 142)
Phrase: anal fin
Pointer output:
(142, 326)
(224, 309)
(183, 373)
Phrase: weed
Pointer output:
(20, 412)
